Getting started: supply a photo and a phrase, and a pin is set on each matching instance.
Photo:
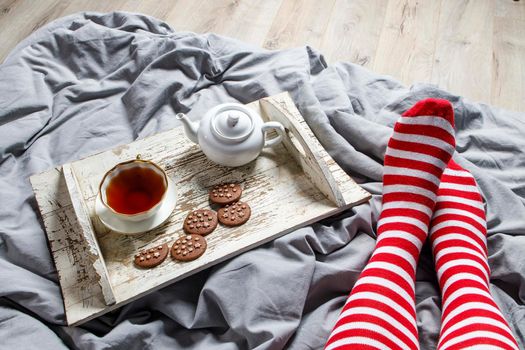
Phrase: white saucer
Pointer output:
(129, 227)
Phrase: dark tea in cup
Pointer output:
(134, 189)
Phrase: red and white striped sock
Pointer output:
(380, 311)
(470, 319)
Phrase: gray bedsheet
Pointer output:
(90, 81)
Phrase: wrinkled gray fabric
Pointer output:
(91, 81)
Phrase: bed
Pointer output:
(90, 81)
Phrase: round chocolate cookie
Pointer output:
(151, 257)
(234, 214)
(225, 193)
(188, 247)
(200, 222)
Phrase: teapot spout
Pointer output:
(189, 127)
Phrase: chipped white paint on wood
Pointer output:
(88, 233)
(282, 197)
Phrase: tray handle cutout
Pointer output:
(88, 232)
(303, 146)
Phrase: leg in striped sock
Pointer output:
(380, 311)
(471, 319)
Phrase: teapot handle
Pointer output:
(278, 127)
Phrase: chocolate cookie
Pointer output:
(225, 193)
(151, 257)
(188, 247)
(234, 214)
(200, 222)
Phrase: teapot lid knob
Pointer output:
(233, 119)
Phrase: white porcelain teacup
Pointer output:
(134, 190)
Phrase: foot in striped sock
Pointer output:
(470, 319)
(380, 311)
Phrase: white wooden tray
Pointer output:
(288, 186)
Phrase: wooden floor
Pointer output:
(472, 48)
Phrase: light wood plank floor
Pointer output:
(472, 48)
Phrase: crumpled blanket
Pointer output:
(90, 81)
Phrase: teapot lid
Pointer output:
(232, 124)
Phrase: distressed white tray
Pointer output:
(289, 186)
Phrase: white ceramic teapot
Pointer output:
(231, 134)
